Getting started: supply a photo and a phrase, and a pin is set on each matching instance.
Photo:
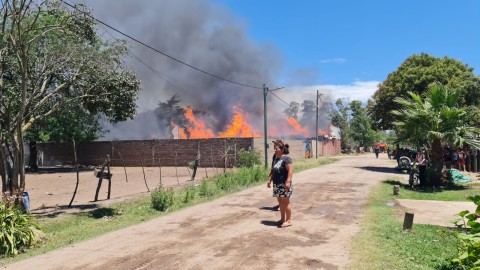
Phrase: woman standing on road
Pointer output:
(281, 175)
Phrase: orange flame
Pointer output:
(238, 127)
(198, 129)
(182, 134)
(298, 129)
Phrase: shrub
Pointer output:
(470, 255)
(224, 182)
(162, 198)
(206, 189)
(16, 228)
(189, 194)
(248, 158)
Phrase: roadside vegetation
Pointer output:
(69, 229)
(383, 244)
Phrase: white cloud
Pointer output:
(334, 61)
(355, 91)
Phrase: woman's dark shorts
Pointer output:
(279, 190)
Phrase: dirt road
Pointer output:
(239, 231)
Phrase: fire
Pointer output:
(239, 126)
(298, 129)
(182, 134)
(197, 128)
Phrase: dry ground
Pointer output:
(50, 193)
(234, 232)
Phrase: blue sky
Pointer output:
(351, 45)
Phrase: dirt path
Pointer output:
(238, 231)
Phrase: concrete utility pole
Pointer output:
(316, 127)
(265, 92)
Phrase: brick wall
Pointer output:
(171, 152)
(297, 147)
(147, 152)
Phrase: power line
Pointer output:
(280, 98)
(160, 52)
(156, 72)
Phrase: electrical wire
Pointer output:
(280, 99)
(156, 72)
(160, 52)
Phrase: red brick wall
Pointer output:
(147, 152)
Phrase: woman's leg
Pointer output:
(421, 174)
(282, 210)
(286, 210)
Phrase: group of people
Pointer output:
(458, 158)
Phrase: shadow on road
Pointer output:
(381, 169)
(269, 223)
(58, 169)
(54, 211)
(274, 208)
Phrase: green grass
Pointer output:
(70, 229)
(382, 244)
(451, 193)
(305, 164)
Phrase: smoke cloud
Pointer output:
(204, 35)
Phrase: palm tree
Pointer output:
(435, 122)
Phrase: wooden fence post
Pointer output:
(408, 221)
(396, 189)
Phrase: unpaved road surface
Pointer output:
(238, 231)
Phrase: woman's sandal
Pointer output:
(286, 224)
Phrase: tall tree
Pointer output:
(435, 122)
(169, 114)
(362, 131)
(415, 74)
(70, 123)
(292, 110)
(309, 113)
(51, 57)
(341, 119)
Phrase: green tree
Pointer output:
(51, 58)
(416, 74)
(434, 122)
(362, 131)
(70, 123)
(341, 119)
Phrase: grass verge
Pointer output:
(71, 229)
(449, 193)
(382, 244)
